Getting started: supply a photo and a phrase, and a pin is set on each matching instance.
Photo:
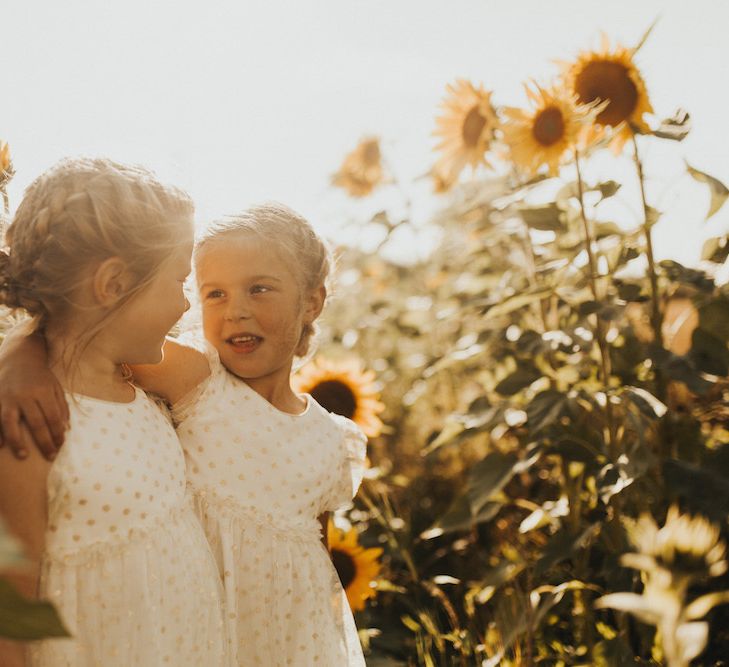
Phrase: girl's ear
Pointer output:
(111, 281)
(315, 303)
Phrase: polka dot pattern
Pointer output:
(261, 477)
(126, 561)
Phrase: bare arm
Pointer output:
(23, 506)
(182, 368)
(30, 394)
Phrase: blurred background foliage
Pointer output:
(551, 484)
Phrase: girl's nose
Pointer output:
(236, 310)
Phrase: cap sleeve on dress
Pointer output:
(352, 463)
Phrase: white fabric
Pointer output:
(261, 477)
(126, 562)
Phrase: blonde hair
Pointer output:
(288, 232)
(82, 211)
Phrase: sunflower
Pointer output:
(466, 129)
(611, 75)
(545, 134)
(361, 172)
(685, 543)
(6, 164)
(344, 389)
(356, 566)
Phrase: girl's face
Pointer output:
(253, 308)
(148, 317)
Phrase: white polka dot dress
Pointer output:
(126, 562)
(261, 477)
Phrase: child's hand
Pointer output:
(30, 393)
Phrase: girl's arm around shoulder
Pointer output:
(23, 509)
(181, 370)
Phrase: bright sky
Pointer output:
(241, 101)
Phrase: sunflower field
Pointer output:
(546, 402)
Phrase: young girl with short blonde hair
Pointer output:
(97, 255)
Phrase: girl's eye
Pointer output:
(214, 294)
(259, 289)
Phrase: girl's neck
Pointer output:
(86, 369)
(279, 394)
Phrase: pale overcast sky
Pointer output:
(241, 101)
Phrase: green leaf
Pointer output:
(575, 449)
(608, 189)
(715, 249)
(22, 619)
(630, 291)
(519, 300)
(681, 369)
(460, 427)
(646, 402)
(675, 128)
(714, 318)
(460, 516)
(709, 353)
(521, 378)
(544, 218)
(562, 545)
(545, 408)
(719, 191)
(680, 273)
(489, 476)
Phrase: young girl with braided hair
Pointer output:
(95, 249)
(266, 465)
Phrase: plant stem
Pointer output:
(4, 219)
(656, 315)
(394, 542)
(531, 255)
(599, 325)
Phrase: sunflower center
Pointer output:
(606, 80)
(548, 126)
(336, 397)
(345, 566)
(473, 125)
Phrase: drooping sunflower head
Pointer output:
(6, 164)
(356, 566)
(686, 544)
(466, 128)
(546, 133)
(361, 171)
(342, 387)
(610, 75)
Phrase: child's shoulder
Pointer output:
(344, 426)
